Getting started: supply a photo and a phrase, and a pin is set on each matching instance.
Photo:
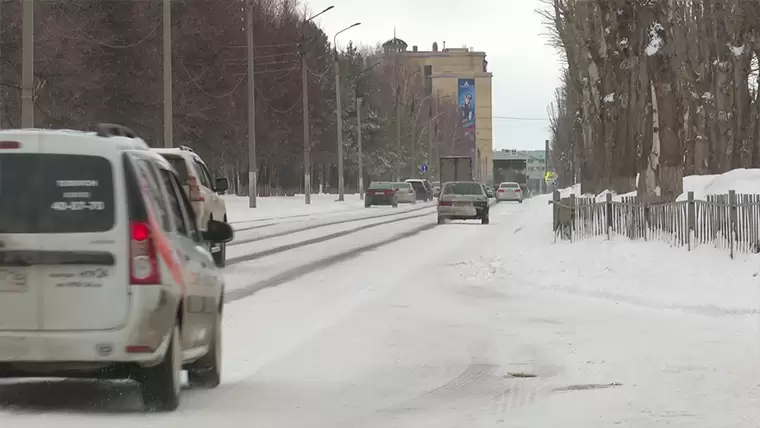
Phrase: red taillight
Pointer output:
(195, 190)
(444, 203)
(143, 257)
(389, 192)
(10, 145)
(139, 349)
(501, 190)
(517, 190)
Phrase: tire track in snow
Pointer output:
(316, 226)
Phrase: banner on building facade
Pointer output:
(466, 100)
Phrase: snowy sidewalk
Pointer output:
(650, 274)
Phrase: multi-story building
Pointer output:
(460, 76)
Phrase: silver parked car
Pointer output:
(509, 191)
(463, 200)
(405, 193)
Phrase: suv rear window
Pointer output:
(380, 185)
(463, 189)
(55, 193)
(178, 162)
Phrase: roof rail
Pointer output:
(187, 149)
(113, 130)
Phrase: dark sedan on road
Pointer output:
(381, 193)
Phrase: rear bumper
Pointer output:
(143, 340)
(466, 212)
(379, 200)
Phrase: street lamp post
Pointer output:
(359, 126)
(305, 100)
(339, 112)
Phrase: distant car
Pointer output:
(422, 187)
(380, 193)
(490, 192)
(405, 193)
(436, 188)
(509, 191)
(463, 200)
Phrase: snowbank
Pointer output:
(274, 207)
(651, 274)
(743, 181)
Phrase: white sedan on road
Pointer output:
(509, 191)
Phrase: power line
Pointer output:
(194, 82)
(108, 45)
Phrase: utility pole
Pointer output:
(252, 165)
(398, 118)
(168, 78)
(431, 133)
(413, 140)
(359, 142)
(305, 102)
(339, 112)
(306, 139)
(27, 65)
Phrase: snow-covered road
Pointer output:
(460, 325)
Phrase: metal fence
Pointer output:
(730, 222)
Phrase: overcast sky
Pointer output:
(526, 71)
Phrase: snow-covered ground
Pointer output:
(277, 208)
(463, 325)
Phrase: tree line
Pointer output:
(654, 89)
(101, 61)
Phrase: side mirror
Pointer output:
(221, 185)
(218, 232)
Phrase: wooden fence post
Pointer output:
(690, 218)
(573, 205)
(608, 212)
(732, 220)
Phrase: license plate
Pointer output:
(13, 280)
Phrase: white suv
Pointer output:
(203, 191)
(103, 272)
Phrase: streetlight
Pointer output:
(252, 162)
(305, 99)
(359, 127)
(338, 111)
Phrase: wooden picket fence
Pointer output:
(730, 222)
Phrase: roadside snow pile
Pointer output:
(746, 181)
(650, 274)
(274, 207)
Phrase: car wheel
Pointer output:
(485, 220)
(207, 371)
(220, 257)
(519, 201)
(161, 385)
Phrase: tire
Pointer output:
(161, 385)
(485, 220)
(367, 205)
(441, 220)
(520, 201)
(220, 257)
(206, 372)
